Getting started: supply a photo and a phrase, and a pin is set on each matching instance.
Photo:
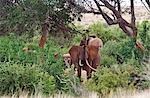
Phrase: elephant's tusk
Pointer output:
(90, 65)
(80, 63)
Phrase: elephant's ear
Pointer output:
(74, 50)
(92, 51)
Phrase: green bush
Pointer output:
(107, 61)
(115, 77)
(16, 77)
(107, 79)
(144, 37)
(122, 63)
(106, 33)
(20, 52)
(122, 51)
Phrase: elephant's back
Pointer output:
(73, 51)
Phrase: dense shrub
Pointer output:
(107, 61)
(16, 77)
(116, 76)
(106, 33)
(144, 37)
(21, 52)
(121, 61)
(122, 51)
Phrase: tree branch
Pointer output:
(119, 6)
(109, 6)
(109, 20)
(148, 3)
(133, 18)
(148, 9)
(128, 28)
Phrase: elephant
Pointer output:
(92, 41)
(86, 57)
(94, 44)
(77, 55)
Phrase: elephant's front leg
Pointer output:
(88, 73)
(79, 72)
(89, 70)
(96, 62)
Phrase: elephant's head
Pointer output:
(78, 54)
(83, 42)
(83, 55)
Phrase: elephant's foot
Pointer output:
(81, 80)
(88, 77)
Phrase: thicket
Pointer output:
(123, 65)
(25, 66)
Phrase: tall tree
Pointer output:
(114, 6)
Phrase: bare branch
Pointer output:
(133, 18)
(128, 28)
(132, 12)
(109, 6)
(119, 6)
(148, 3)
(146, 6)
(109, 20)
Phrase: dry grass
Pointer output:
(119, 94)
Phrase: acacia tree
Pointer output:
(115, 17)
(54, 15)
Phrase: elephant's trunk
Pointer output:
(90, 65)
